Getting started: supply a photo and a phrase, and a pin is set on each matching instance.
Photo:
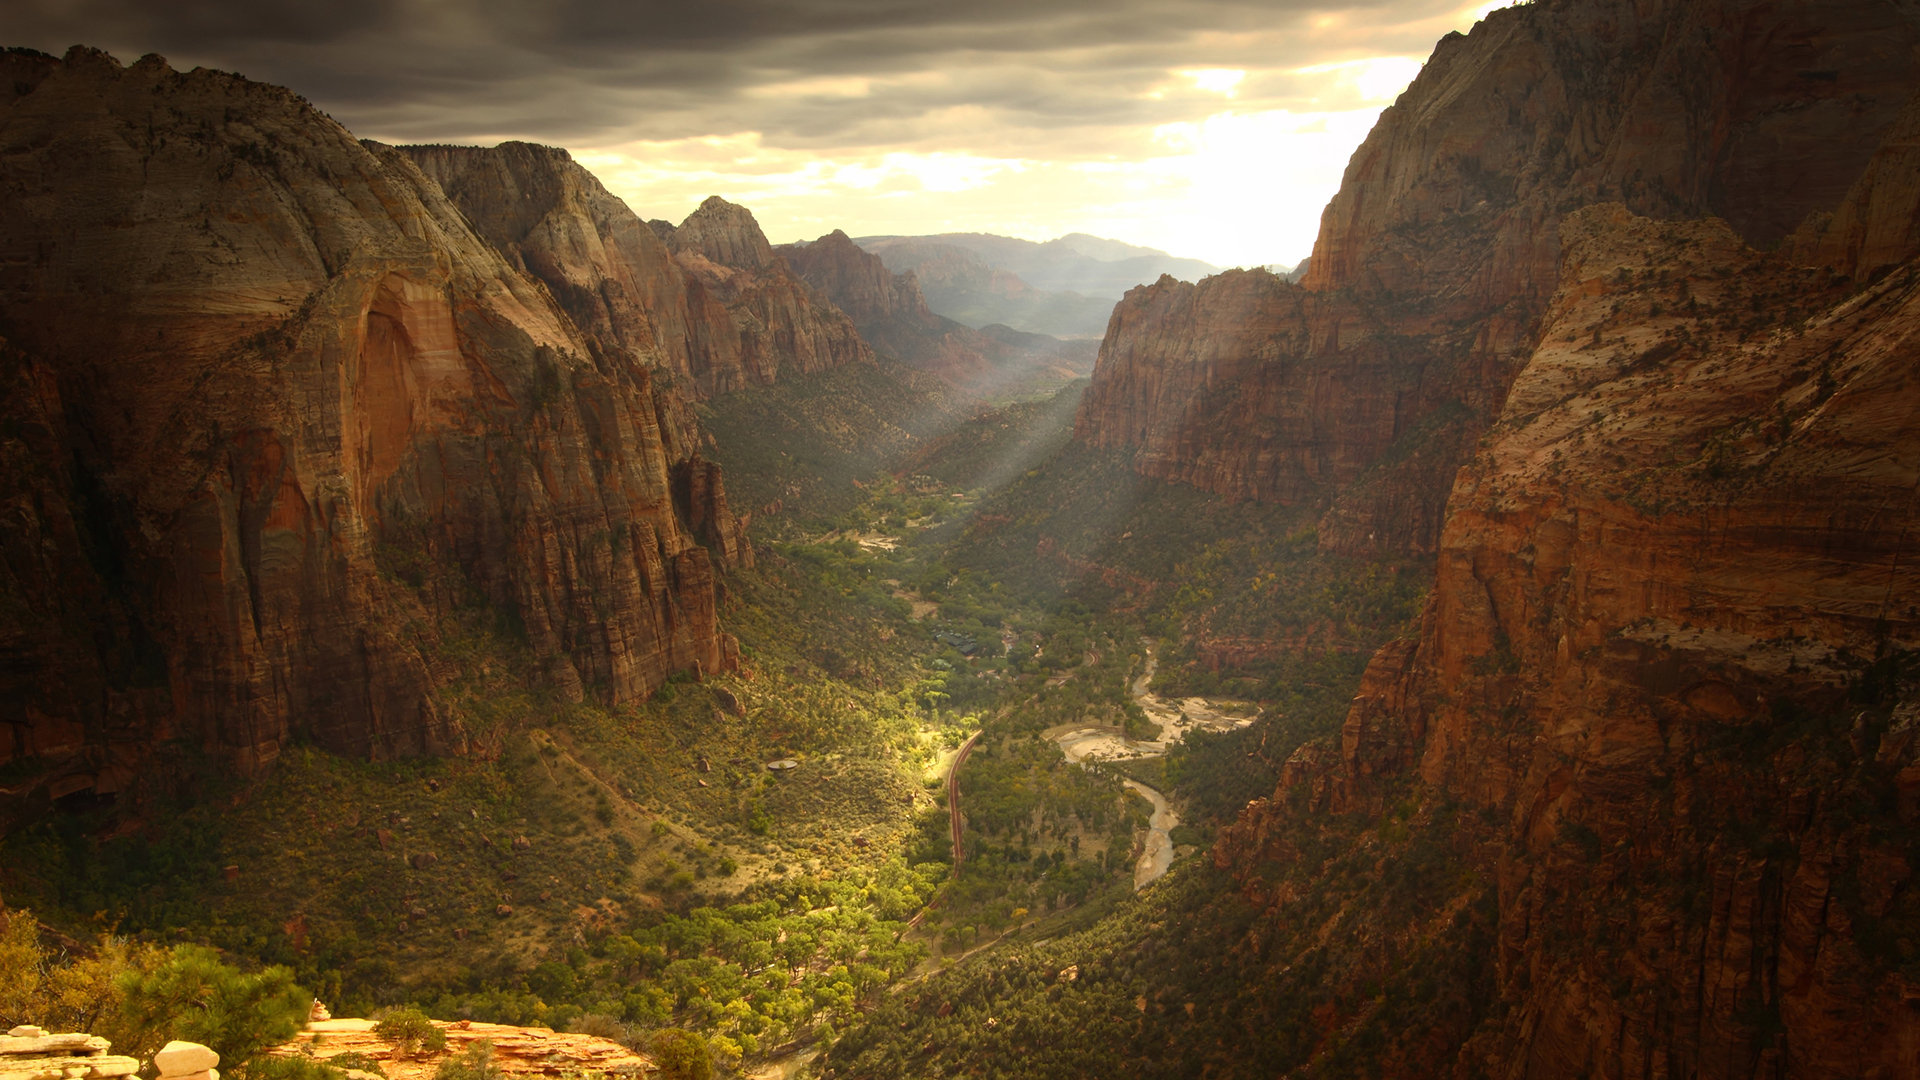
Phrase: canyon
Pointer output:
(1364, 386)
(1612, 328)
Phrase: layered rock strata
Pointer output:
(517, 1051)
(261, 378)
(710, 300)
(30, 1053)
(1668, 657)
(779, 325)
(1435, 259)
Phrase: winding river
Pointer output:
(1082, 743)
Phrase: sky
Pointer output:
(1213, 129)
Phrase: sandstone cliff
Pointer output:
(718, 307)
(775, 323)
(1668, 666)
(259, 376)
(1436, 257)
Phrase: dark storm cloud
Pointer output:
(601, 71)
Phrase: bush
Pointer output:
(192, 995)
(682, 1055)
(293, 1068)
(473, 1063)
(410, 1032)
(601, 1026)
(357, 1061)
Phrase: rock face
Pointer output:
(1668, 660)
(30, 1053)
(1255, 388)
(709, 300)
(1660, 716)
(262, 378)
(517, 1051)
(775, 323)
(1436, 258)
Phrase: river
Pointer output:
(1082, 743)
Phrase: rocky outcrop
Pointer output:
(516, 1051)
(1669, 660)
(709, 300)
(279, 412)
(1254, 388)
(30, 1053)
(893, 317)
(1442, 246)
(776, 324)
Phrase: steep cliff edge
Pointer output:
(279, 412)
(1442, 246)
(717, 307)
(1667, 673)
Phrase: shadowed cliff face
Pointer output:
(259, 365)
(1663, 701)
(711, 302)
(1663, 660)
(1437, 256)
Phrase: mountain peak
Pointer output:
(725, 233)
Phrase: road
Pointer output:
(953, 801)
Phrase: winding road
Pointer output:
(953, 800)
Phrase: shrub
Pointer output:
(353, 1059)
(410, 1032)
(600, 1025)
(473, 1063)
(293, 1068)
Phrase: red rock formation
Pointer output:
(1662, 656)
(1436, 257)
(761, 317)
(718, 307)
(271, 368)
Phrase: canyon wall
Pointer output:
(1667, 674)
(275, 415)
(1660, 712)
(709, 300)
(1436, 258)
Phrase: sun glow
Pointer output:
(1241, 184)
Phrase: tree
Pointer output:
(192, 995)
(410, 1032)
(682, 1055)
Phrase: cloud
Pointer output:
(899, 97)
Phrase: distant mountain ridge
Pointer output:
(1066, 286)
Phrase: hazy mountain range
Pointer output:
(1066, 287)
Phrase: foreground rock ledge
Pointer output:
(517, 1050)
